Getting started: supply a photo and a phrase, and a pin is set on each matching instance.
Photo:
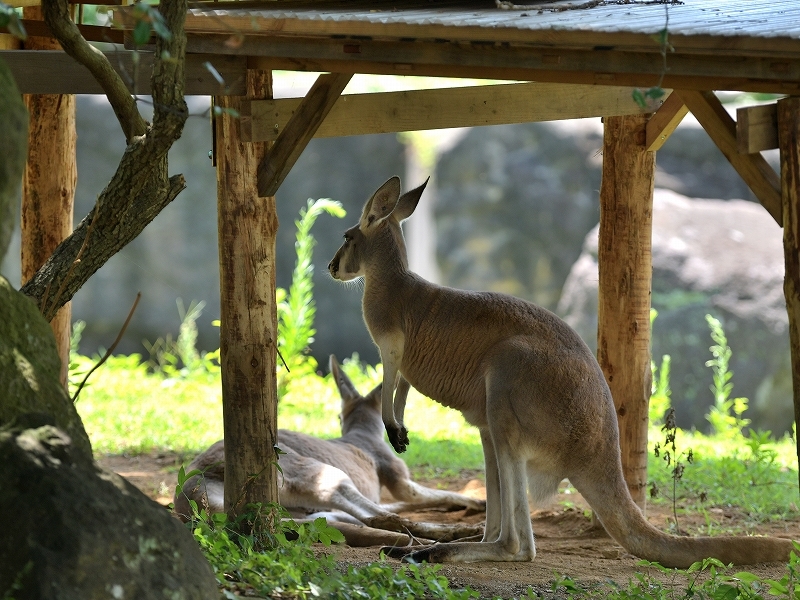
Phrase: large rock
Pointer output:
(709, 256)
(514, 204)
(516, 201)
(77, 532)
(29, 368)
(13, 152)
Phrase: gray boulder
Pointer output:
(723, 258)
(514, 204)
(79, 532)
(29, 368)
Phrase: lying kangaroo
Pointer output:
(344, 474)
(525, 379)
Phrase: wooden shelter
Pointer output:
(562, 59)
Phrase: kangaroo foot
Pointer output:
(398, 437)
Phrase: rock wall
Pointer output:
(717, 257)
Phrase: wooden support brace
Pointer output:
(299, 130)
(788, 112)
(415, 110)
(665, 120)
(757, 128)
(753, 168)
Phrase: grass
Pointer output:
(172, 402)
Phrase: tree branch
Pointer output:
(57, 17)
(141, 187)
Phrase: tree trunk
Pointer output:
(625, 263)
(789, 142)
(248, 227)
(48, 188)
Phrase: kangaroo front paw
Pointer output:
(398, 438)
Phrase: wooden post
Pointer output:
(625, 263)
(248, 227)
(48, 186)
(789, 143)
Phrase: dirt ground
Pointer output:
(566, 542)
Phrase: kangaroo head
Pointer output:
(378, 227)
(357, 410)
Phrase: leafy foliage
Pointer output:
(296, 308)
(709, 579)
(722, 421)
(280, 560)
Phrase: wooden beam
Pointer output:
(53, 72)
(295, 136)
(664, 121)
(788, 114)
(248, 227)
(515, 62)
(625, 264)
(92, 33)
(757, 128)
(414, 110)
(753, 168)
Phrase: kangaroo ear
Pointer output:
(408, 202)
(346, 388)
(381, 205)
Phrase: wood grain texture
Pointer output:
(760, 177)
(757, 128)
(55, 72)
(248, 227)
(425, 53)
(415, 110)
(48, 186)
(625, 267)
(789, 139)
(664, 122)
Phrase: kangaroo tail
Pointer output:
(623, 520)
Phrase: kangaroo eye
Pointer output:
(347, 239)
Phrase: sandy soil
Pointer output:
(567, 543)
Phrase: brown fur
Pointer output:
(342, 475)
(525, 379)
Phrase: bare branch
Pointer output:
(57, 17)
(141, 186)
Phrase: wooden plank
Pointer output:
(294, 138)
(92, 33)
(738, 26)
(664, 121)
(757, 128)
(248, 228)
(753, 168)
(425, 57)
(414, 110)
(54, 72)
(625, 264)
(523, 73)
(788, 111)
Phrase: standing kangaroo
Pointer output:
(525, 379)
(344, 475)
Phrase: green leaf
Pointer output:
(638, 97)
(141, 33)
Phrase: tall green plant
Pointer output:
(296, 309)
(726, 413)
(660, 392)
